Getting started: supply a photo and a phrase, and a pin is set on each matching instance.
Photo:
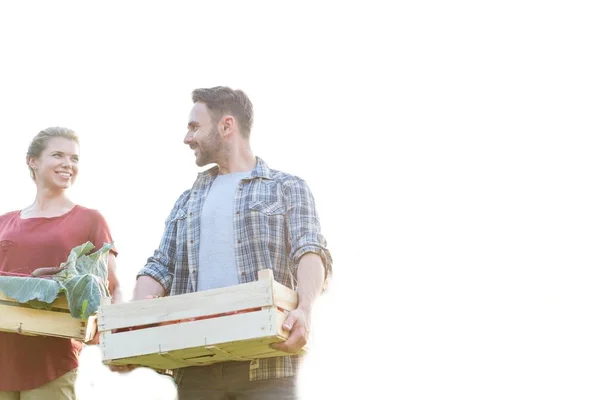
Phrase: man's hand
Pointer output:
(311, 275)
(298, 324)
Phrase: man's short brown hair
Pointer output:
(221, 100)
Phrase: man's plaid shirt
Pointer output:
(275, 224)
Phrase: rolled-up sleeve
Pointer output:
(304, 227)
(161, 266)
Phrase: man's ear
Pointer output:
(228, 125)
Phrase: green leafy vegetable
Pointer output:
(82, 278)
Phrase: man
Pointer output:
(240, 216)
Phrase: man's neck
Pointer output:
(238, 160)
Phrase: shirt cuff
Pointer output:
(159, 274)
(314, 243)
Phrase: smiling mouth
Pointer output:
(64, 174)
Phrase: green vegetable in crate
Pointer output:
(83, 278)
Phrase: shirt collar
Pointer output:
(261, 170)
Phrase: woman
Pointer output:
(42, 235)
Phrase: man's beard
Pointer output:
(211, 150)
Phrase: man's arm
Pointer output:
(304, 227)
(147, 287)
(156, 277)
(311, 259)
(311, 276)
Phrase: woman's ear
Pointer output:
(32, 163)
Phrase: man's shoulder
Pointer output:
(285, 178)
(264, 170)
(182, 200)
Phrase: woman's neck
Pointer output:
(48, 204)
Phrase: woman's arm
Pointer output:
(114, 287)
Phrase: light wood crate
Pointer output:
(150, 332)
(58, 322)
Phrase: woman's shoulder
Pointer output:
(87, 212)
(9, 215)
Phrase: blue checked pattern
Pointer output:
(275, 223)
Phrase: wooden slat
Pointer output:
(283, 296)
(258, 348)
(248, 350)
(186, 335)
(196, 352)
(164, 361)
(265, 274)
(172, 308)
(224, 354)
(41, 322)
(152, 361)
(60, 302)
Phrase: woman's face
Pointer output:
(57, 166)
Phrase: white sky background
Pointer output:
(450, 148)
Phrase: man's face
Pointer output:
(203, 137)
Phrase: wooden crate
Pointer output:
(58, 322)
(232, 323)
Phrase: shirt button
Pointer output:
(239, 241)
(237, 212)
(244, 273)
(192, 241)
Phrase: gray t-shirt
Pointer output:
(217, 253)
